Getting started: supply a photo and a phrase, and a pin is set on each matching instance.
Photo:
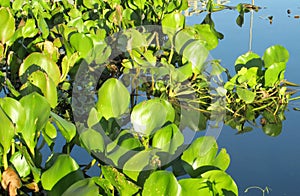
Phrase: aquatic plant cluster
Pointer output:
(128, 82)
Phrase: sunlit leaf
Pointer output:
(7, 131)
(82, 44)
(92, 140)
(29, 30)
(82, 187)
(47, 86)
(37, 61)
(138, 163)
(37, 111)
(119, 181)
(248, 60)
(205, 33)
(172, 23)
(274, 74)
(64, 167)
(15, 111)
(161, 183)
(195, 186)
(203, 152)
(7, 25)
(275, 54)
(150, 115)
(246, 95)
(67, 129)
(221, 183)
(113, 99)
(168, 139)
(20, 164)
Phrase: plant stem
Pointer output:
(5, 163)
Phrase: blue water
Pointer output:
(258, 159)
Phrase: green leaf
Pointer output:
(123, 148)
(37, 61)
(92, 140)
(29, 30)
(249, 77)
(17, 5)
(246, 95)
(119, 181)
(46, 84)
(67, 129)
(194, 51)
(203, 152)
(195, 186)
(275, 54)
(171, 23)
(65, 172)
(37, 111)
(139, 163)
(161, 183)
(49, 133)
(113, 99)
(151, 114)
(82, 187)
(248, 60)
(14, 111)
(43, 26)
(82, 44)
(205, 33)
(272, 125)
(220, 182)
(7, 25)
(274, 74)
(7, 131)
(94, 117)
(20, 164)
(168, 139)
(91, 3)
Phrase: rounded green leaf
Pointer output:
(15, 111)
(246, 95)
(67, 129)
(7, 25)
(20, 164)
(29, 30)
(113, 99)
(82, 187)
(168, 139)
(82, 44)
(92, 140)
(221, 182)
(275, 54)
(46, 85)
(151, 114)
(274, 74)
(37, 61)
(173, 22)
(203, 152)
(205, 33)
(161, 183)
(248, 60)
(63, 165)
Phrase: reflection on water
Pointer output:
(257, 159)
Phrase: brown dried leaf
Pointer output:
(11, 181)
(33, 186)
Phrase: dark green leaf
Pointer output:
(82, 187)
